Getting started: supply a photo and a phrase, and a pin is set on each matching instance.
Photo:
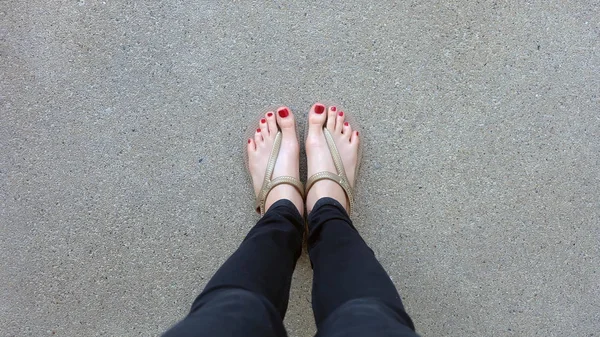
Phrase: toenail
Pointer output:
(341, 114)
(270, 114)
(319, 108)
(249, 140)
(263, 121)
(257, 130)
(333, 108)
(356, 133)
(346, 123)
(283, 112)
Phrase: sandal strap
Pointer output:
(269, 184)
(337, 159)
(272, 159)
(340, 178)
(262, 198)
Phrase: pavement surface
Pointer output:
(122, 183)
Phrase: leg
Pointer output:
(352, 293)
(249, 294)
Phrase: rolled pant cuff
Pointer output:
(327, 209)
(286, 209)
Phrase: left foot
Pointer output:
(259, 151)
(318, 156)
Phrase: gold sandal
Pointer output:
(339, 178)
(269, 183)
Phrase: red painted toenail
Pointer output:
(263, 121)
(346, 123)
(283, 112)
(333, 108)
(249, 140)
(356, 133)
(257, 130)
(341, 114)
(270, 114)
(319, 108)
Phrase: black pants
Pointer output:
(248, 296)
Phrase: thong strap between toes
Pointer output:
(268, 183)
(340, 177)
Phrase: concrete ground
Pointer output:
(122, 186)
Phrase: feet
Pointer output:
(259, 151)
(319, 158)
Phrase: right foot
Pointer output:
(319, 157)
(287, 164)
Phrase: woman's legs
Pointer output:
(248, 295)
(352, 293)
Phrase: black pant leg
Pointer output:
(347, 276)
(249, 294)
(230, 312)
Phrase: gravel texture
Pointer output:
(122, 183)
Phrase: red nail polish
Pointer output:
(263, 121)
(257, 130)
(346, 123)
(249, 140)
(333, 108)
(283, 112)
(356, 133)
(319, 108)
(341, 114)
(270, 114)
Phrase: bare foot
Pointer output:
(259, 150)
(319, 158)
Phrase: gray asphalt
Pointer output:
(123, 186)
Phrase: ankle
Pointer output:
(325, 189)
(285, 192)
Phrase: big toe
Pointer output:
(287, 123)
(317, 116)
(285, 118)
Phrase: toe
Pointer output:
(264, 128)
(316, 116)
(354, 138)
(331, 115)
(251, 145)
(271, 122)
(258, 139)
(285, 118)
(339, 121)
(347, 130)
